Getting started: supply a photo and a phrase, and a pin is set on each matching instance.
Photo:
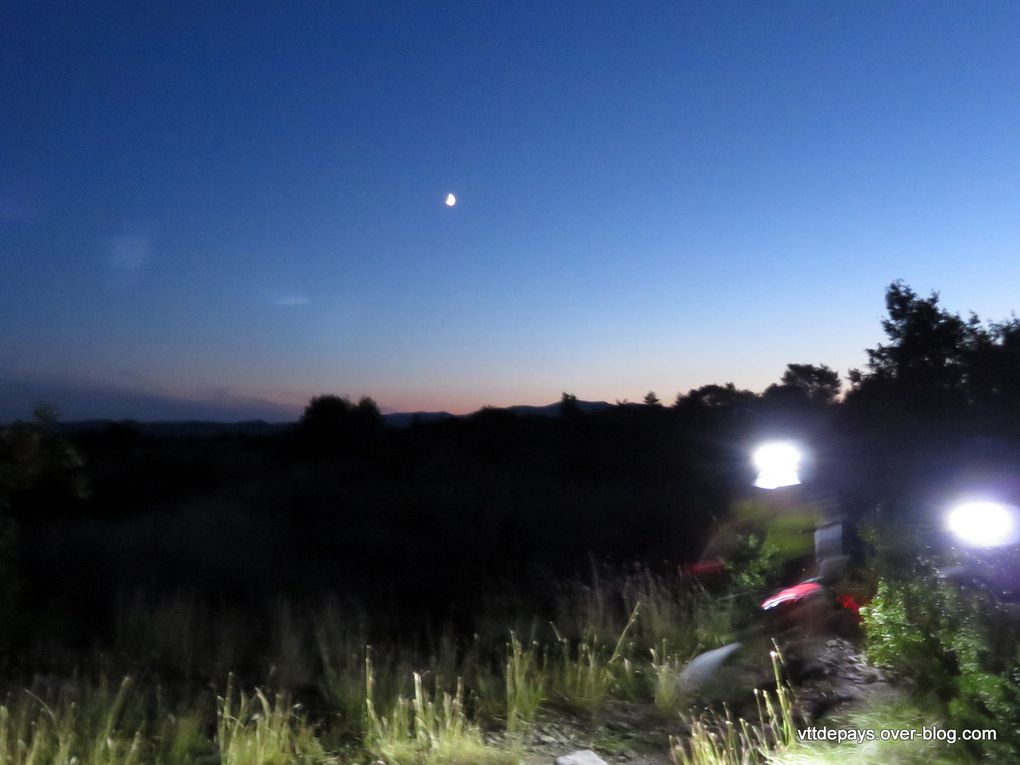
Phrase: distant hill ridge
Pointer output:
(208, 429)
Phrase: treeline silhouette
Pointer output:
(423, 523)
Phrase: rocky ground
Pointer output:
(838, 680)
(830, 678)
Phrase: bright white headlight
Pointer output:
(983, 523)
(777, 463)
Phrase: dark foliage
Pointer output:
(425, 521)
(335, 425)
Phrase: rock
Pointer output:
(847, 693)
(582, 757)
(812, 668)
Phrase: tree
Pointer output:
(366, 416)
(819, 384)
(716, 396)
(651, 399)
(326, 412)
(41, 474)
(332, 423)
(568, 405)
(926, 352)
(993, 372)
(39, 468)
(937, 366)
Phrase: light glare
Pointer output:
(451, 200)
(983, 523)
(777, 463)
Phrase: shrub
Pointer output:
(955, 646)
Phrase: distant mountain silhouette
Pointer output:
(556, 409)
(208, 429)
(85, 401)
(406, 419)
(182, 428)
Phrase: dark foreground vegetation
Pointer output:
(502, 567)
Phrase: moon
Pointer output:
(451, 200)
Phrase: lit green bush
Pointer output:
(958, 647)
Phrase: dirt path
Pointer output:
(830, 683)
(838, 681)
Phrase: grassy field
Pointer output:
(185, 682)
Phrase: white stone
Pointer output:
(582, 757)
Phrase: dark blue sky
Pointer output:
(221, 209)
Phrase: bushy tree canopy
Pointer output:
(819, 384)
(333, 423)
(938, 362)
(927, 348)
(713, 395)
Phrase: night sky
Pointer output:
(218, 209)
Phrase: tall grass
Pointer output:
(252, 730)
(890, 752)
(527, 683)
(674, 608)
(425, 730)
(586, 674)
(183, 638)
(95, 724)
(719, 740)
(674, 611)
(773, 739)
(91, 733)
(666, 666)
(420, 702)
